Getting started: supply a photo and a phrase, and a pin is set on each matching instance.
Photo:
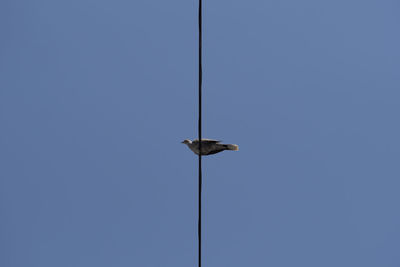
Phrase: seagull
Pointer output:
(208, 146)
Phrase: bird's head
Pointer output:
(186, 142)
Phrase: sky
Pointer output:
(96, 96)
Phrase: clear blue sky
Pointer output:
(95, 97)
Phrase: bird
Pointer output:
(208, 146)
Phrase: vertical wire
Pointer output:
(199, 127)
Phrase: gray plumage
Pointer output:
(209, 146)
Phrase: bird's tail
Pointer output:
(232, 147)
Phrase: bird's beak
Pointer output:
(182, 142)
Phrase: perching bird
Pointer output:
(209, 146)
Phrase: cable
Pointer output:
(200, 141)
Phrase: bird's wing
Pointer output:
(209, 141)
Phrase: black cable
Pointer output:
(200, 141)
